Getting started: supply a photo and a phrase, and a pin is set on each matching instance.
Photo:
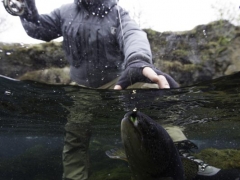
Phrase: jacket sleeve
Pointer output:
(42, 27)
(133, 41)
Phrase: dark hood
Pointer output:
(98, 7)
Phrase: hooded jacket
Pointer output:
(99, 40)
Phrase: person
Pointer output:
(105, 48)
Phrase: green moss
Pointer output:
(205, 57)
(212, 44)
(224, 159)
(221, 50)
(150, 34)
(180, 52)
(224, 41)
(178, 66)
(191, 67)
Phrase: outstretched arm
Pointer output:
(43, 27)
(138, 57)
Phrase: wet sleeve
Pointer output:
(133, 41)
(43, 27)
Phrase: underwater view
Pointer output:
(33, 116)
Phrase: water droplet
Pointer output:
(204, 32)
(8, 53)
(7, 92)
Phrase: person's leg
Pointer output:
(76, 143)
(75, 151)
(176, 133)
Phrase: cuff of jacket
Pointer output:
(139, 64)
(139, 58)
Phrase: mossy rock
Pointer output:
(49, 76)
(180, 52)
(224, 159)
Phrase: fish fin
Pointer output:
(190, 168)
(117, 154)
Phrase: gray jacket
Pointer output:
(99, 42)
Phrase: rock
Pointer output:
(224, 158)
(18, 59)
(49, 76)
(206, 52)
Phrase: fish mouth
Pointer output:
(130, 125)
(132, 117)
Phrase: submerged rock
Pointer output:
(224, 159)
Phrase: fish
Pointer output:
(150, 151)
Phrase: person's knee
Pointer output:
(176, 133)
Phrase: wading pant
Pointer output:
(78, 133)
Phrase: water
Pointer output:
(33, 115)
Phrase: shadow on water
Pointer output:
(33, 115)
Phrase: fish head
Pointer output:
(147, 145)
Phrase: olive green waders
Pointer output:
(78, 133)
